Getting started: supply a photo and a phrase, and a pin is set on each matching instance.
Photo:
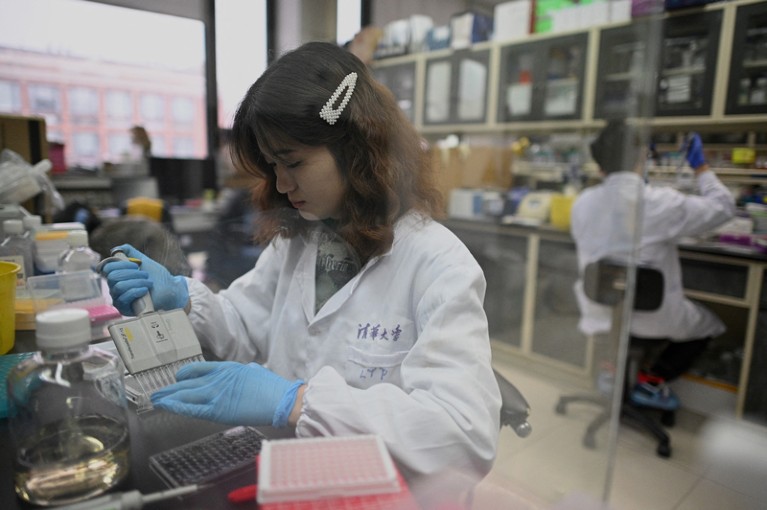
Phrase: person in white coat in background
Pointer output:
(603, 224)
(363, 315)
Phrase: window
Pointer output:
(119, 107)
(183, 147)
(119, 146)
(45, 98)
(152, 109)
(10, 97)
(348, 20)
(160, 147)
(93, 69)
(83, 105)
(182, 111)
(240, 52)
(85, 149)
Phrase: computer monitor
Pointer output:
(181, 179)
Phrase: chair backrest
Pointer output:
(604, 282)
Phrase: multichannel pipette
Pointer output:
(131, 500)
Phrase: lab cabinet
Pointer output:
(623, 58)
(688, 64)
(506, 258)
(456, 88)
(532, 311)
(556, 317)
(400, 80)
(542, 80)
(747, 84)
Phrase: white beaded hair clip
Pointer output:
(330, 114)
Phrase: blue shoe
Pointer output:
(655, 396)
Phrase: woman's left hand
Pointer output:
(229, 392)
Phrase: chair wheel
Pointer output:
(523, 429)
(664, 450)
(668, 418)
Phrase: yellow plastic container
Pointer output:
(560, 210)
(8, 272)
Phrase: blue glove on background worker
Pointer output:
(229, 392)
(128, 281)
(694, 154)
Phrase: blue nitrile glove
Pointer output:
(129, 281)
(694, 155)
(229, 392)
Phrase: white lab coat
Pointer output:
(603, 221)
(402, 350)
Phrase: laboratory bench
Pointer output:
(150, 433)
(532, 311)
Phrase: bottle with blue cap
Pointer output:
(67, 414)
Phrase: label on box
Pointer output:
(155, 339)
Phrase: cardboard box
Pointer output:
(471, 167)
(468, 28)
(544, 10)
(25, 136)
(513, 20)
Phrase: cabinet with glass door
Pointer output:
(624, 55)
(399, 78)
(542, 80)
(687, 64)
(456, 86)
(747, 87)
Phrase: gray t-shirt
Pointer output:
(336, 265)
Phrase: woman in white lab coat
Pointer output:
(363, 315)
(604, 219)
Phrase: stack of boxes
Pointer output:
(511, 20)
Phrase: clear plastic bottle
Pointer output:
(67, 415)
(18, 249)
(79, 256)
(32, 224)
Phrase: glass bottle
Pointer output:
(18, 249)
(67, 414)
(79, 256)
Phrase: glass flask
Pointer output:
(67, 414)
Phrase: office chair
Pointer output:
(604, 282)
(514, 408)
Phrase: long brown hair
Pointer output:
(378, 151)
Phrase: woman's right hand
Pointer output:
(129, 281)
